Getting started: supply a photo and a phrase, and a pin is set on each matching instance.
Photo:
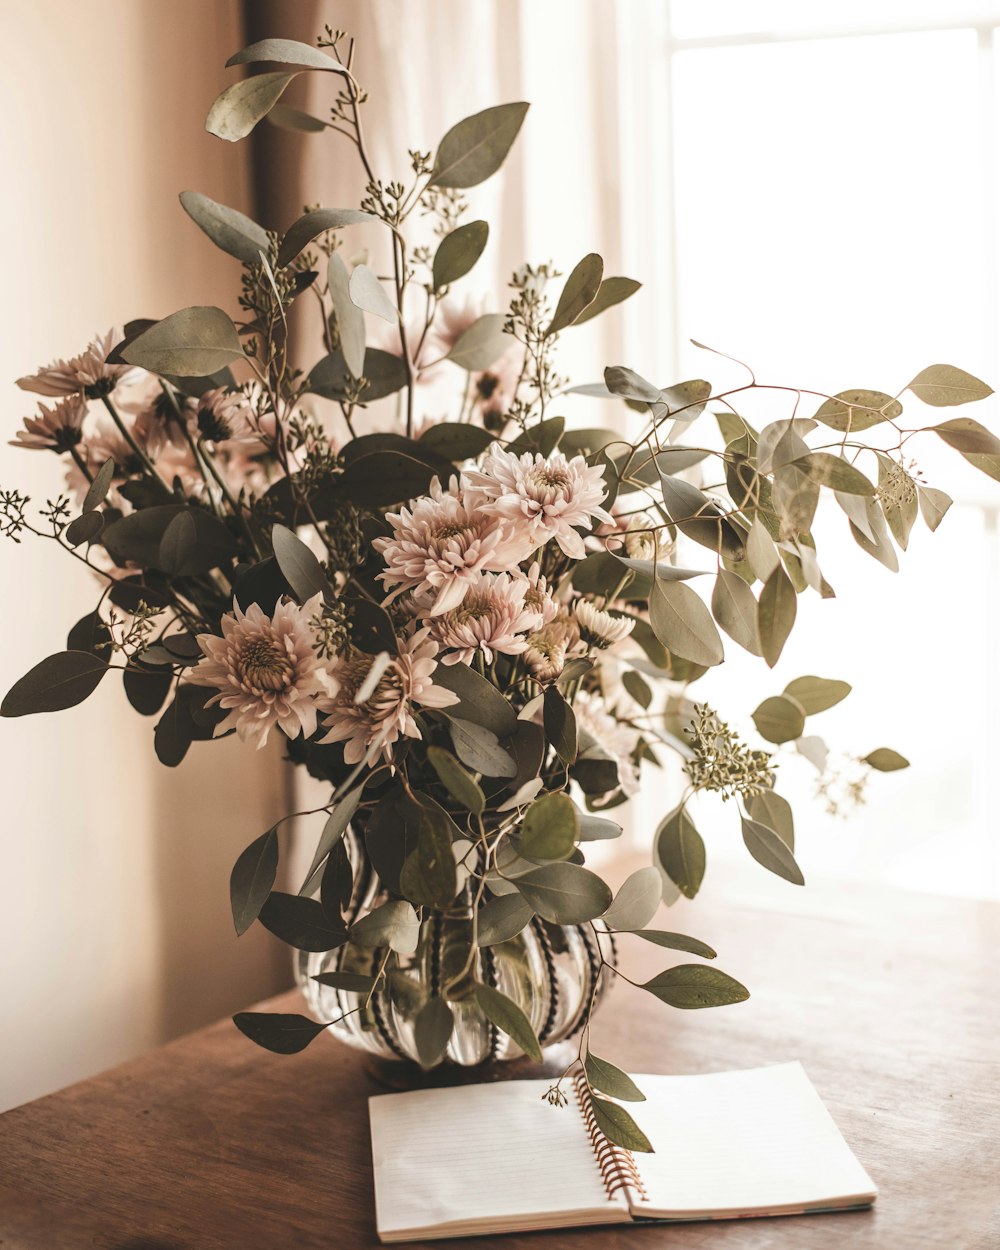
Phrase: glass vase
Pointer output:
(550, 971)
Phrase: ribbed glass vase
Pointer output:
(549, 970)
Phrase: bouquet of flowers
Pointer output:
(474, 628)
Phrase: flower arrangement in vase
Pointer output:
(475, 631)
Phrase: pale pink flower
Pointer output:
(225, 417)
(492, 618)
(375, 696)
(54, 429)
(87, 373)
(495, 389)
(546, 497)
(265, 670)
(452, 319)
(156, 416)
(539, 595)
(597, 723)
(442, 542)
(545, 655)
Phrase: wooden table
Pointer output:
(890, 1000)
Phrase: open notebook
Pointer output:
(498, 1159)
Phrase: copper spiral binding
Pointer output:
(616, 1164)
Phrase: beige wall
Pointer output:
(114, 926)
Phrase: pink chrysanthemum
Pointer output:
(492, 617)
(546, 497)
(87, 373)
(226, 417)
(597, 722)
(441, 544)
(265, 670)
(375, 696)
(539, 595)
(54, 429)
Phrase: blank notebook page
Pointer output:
(484, 1156)
(733, 1142)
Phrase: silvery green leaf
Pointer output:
(313, 224)
(611, 1080)
(817, 694)
(240, 107)
(191, 343)
(973, 441)
(350, 318)
(849, 412)
(683, 624)
(856, 509)
(508, 1017)
(943, 386)
(459, 783)
(815, 750)
(836, 473)
(368, 293)
(338, 820)
(502, 918)
(693, 986)
(286, 118)
(298, 564)
(549, 829)
(933, 505)
(781, 442)
(228, 229)
(394, 924)
(779, 719)
(627, 384)
(286, 52)
(97, 492)
(596, 828)
(636, 902)
(735, 609)
(776, 612)
(618, 1126)
(881, 547)
(432, 1031)
(578, 293)
(475, 148)
(770, 809)
(565, 893)
(479, 748)
(761, 551)
(681, 851)
(771, 851)
(612, 291)
(886, 760)
(479, 700)
(60, 681)
(482, 344)
(458, 252)
(252, 878)
(675, 942)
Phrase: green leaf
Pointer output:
(313, 224)
(241, 106)
(795, 497)
(336, 888)
(636, 902)
(693, 986)
(282, 1032)
(60, 681)
(933, 505)
(596, 828)
(368, 293)
(817, 694)
(761, 551)
(394, 924)
(565, 893)
(349, 317)
(97, 492)
(349, 982)
(779, 719)
(298, 565)
(549, 830)
(191, 343)
(836, 473)
(509, 1018)
(146, 688)
(458, 252)
(885, 760)
(459, 783)
(770, 809)
(384, 477)
(611, 291)
(475, 148)
(252, 878)
(479, 748)
(876, 542)
(542, 438)
(502, 918)
(286, 118)
(429, 878)
(974, 442)
(286, 52)
(770, 850)
(682, 622)
(230, 230)
(455, 440)
(735, 609)
(776, 614)
(432, 1031)
(578, 294)
(943, 386)
(479, 700)
(611, 1080)
(856, 410)
(84, 528)
(699, 517)
(681, 852)
(338, 820)
(628, 384)
(559, 722)
(618, 1126)
(481, 344)
(675, 942)
(637, 688)
(301, 922)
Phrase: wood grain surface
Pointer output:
(889, 999)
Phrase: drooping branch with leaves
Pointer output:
(475, 628)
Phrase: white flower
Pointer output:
(547, 497)
(601, 629)
(440, 545)
(265, 670)
(375, 696)
(597, 721)
(545, 655)
(54, 429)
(492, 617)
(87, 373)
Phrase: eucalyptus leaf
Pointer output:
(456, 440)
(549, 829)
(60, 681)
(475, 148)
(637, 688)
(509, 1018)
(681, 851)
(432, 1031)
(771, 851)
(836, 473)
(565, 893)
(817, 694)
(479, 700)
(618, 1126)
(683, 624)
(98, 489)
(611, 291)
(459, 783)
(607, 1078)
(286, 118)
(383, 478)
(481, 344)
(84, 528)
(190, 343)
(627, 384)
(350, 319)
(693, 986)
(368, 293)
(458, 252)
(776, 612)
(976, 444)
(229, 229)
(301, 922)
(559, 722)
(735, 609)
(287, 52)
(542, 438)
(349, 982)
(428, 877)
(333, 829)
(284, 1033)
(597, 828)
(298, 564)
(393, 924)
(934, 504)
(770, 809)
(578, 293)
(314, 223)
(943, 386)
(876, 542)
(761, 551)
(479, 748)
(886, 760)
(502, 918)
(241, 106)
(850, 412)
(636, 902)
(252, 878)
(779, 719)
(675, 942)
